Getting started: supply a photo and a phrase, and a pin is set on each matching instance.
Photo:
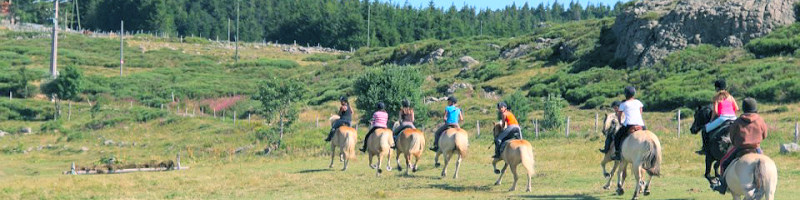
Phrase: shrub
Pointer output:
(147, 114)
(68, 84)
(594, 102)
(553, 114)
(390, 84)
(196, 40)
(520, 105)
(284, 64)
(320, 57)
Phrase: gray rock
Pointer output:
(84, 149)
(790, 147)
(457, 86)
(2, 133)
(648, 31)
(468, 61)
(26, 130)
(432, 57)
(108, 142)
(516, 52)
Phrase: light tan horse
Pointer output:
(345, 139)
(380, 144)
(610, 127)
(643, 150)
(410, 143)
(753, 176)
(517, 151)
(452, 141)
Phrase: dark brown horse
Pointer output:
(714, 143)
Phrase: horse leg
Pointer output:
(516, 177)
(380, 159)
(333, 154)
(716, 168)
(436, 159)
(408, 163)
(346, 160)
(502, 172)
(458, 166)
(416, 160)
(446, 162)
(709, 162)
(647, 185)
(389, 160)
(621, 175)
(609, 177)
(370, 161)
(397, 158)
(637, 174)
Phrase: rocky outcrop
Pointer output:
(525, 49)
(649, 30)
(432, 57)
(467, 62)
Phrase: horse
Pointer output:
(713, 143)
(611, 126)
(410, 143)
(452, 141)
(753, 176)
(643, 150)
(380, 144)
(345, 139)
(517, 151)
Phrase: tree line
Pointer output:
(341, 24)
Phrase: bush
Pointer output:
(283, 64)
(147, 114)
(594, 102)
(68, 85)
(553, 114)
(390, 84)
(320, 57)
(785, 40)
(776, 90)
(196, 40)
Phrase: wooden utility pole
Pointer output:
(121, 45)
(237, 31)
(369, 8)
(679, 122)
(78, 14)
(54, 52)
(229, 30)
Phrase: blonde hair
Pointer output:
(722, 95)
(408, 110)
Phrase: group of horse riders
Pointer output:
(746, 132)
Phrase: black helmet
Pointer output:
(343, 99)
(452, 99)
(406, 103)
(630, 91)
(615, 104)
(720, 84)
(381, 106)
(502, 105)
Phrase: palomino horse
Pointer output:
(345, 139)
(643, 150)
(517, 151)
(410, 142)
(752, 176)
(714, 143)
(380, 144)
(610, 127)
(452, 141)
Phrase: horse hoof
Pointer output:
(512, 189)
(399, 169)
(620, 191)
(444, 174)
(380, 171)
(497, 183)
(330, 166)
(388, 168)
(414, 170)
(373, 166)
(606, 175)
(606, 187)
(528, 190)
(646, 192)
(496, 171)
(437, 165)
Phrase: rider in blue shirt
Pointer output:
(452, 115)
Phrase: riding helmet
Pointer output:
(630, 91)
(406, 103)
(381, 106)
(720, 84)
(452, 99)
(615, 104)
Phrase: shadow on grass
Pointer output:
(313, 171)
(558, 197)
(460, 188)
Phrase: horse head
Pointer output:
(611, 124)
(498, 128)
(702, 115)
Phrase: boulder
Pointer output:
(432, 57)
(649, 30)
(108, 142)
(2, 133)
(457, 86)
(26, 130)
(84, 149)
(468, 61)
(789, 148)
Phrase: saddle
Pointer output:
(633, 129)
(720, 135)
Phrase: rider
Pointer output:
(379, 120)
(512, 128)
(452, 115)
(632, 109)
(406, 118)
(345, 116)
(724, 106)
(746, 133)
(610, 137)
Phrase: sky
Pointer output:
(493, 4)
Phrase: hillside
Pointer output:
(182, 95)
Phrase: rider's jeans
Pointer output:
(717, 122)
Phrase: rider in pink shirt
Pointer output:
(379, 120)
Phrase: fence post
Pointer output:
(215, 113)
(234, 118)
(478, 125)
(69, 111)
(248, 118)
(679, 123)
(317, 122)
(566, 129)
(596, 116)
(536, 127)
(10, 95)
(162, 106)
(796, 131)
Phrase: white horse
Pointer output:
(452, 141)
(643, 150)
(753, 176)
(610, 127)
(345, 139)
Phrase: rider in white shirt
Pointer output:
(632, 110)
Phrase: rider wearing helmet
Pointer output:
(724, 108)
(345, 117)
(512, 130)
(452, 115)
(406, 118)
(631, 108)
(746, 134)
(610, 137)
(379, 120)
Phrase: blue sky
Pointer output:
(493, 4)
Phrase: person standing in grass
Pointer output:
(379, 120)
(632, 110)
(452, 115)
(345, 117)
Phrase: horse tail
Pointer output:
(652, 160)
(349, 145)
(526, 156)
(765, 176)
